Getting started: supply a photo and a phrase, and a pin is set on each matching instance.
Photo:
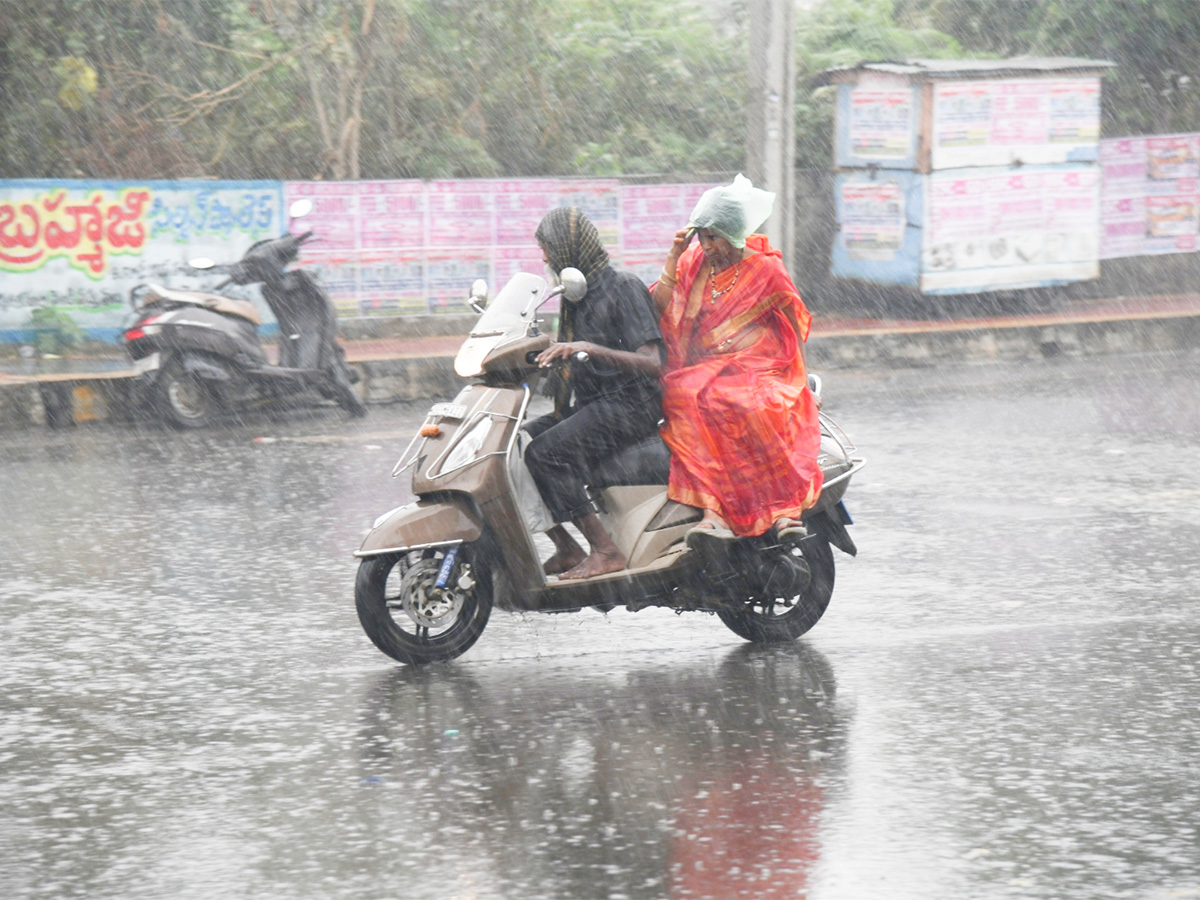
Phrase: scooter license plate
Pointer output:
(146, 364)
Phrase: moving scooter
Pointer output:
(432, 570)
(198, 354)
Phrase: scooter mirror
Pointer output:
(479, 295)
(574, 282)
(300, 208)
(201, 262)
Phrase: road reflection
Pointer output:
(691, 780)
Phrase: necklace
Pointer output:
(729, 287)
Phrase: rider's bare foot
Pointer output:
(596, 564)
(562, 560)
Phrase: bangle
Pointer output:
(667, 277)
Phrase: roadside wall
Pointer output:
(65, 400)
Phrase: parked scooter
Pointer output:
(432, 570)
(199, 354)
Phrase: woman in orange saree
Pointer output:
(741, 422)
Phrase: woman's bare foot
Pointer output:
(596, 563)
(563, 560)
(713, 522)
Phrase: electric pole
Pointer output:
(771, 115)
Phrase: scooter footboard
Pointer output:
(427, 523)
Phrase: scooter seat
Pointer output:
(646, 463)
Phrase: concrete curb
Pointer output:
(395, 369)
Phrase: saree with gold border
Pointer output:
(741, 422)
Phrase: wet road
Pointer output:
(1000, 702)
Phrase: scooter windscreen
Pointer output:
(506, 319)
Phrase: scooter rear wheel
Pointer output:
(767, 619)
(411, 619)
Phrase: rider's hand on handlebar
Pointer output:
(562, 352)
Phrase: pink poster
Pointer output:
(520, 205)
(395, 247)
(460, 213)
(391, 214)
(334, 219)
(600, 199)
(1151, 195)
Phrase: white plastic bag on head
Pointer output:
(733, 210)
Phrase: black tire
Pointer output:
(185, 400)
(765, 619)
(428, 625)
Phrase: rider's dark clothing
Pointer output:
(611, 409)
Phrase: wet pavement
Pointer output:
(999, 703)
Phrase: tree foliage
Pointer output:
(462, 88)
(366, 88)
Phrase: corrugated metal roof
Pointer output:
(971, 68)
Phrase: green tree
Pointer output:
(366, 88)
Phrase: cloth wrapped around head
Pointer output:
(571, 239)
(733, 211)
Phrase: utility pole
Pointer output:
(771, 115)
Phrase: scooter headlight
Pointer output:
(468, 446)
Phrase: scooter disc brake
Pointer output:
(428, 605)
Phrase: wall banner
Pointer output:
(1000, 122)
(379, 247)
(997, 229)
(81, 245)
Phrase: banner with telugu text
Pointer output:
(82, 245)
(380, 247)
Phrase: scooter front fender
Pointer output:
(443, 522)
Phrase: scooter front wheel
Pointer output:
(412, 619)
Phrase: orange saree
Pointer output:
(741, 422)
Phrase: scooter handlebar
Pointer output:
(580, 356)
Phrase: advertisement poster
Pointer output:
(881, 123)
(600, 200)
(460, 213)
(1150, 200)
(449, 274)
(1172, 157)
(81, 245)
(650, 216)
(520, 205)
(872, 220)
(1000, 122)
(997, 229)
(378, 247)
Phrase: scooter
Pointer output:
(432, 570)
(198, 354)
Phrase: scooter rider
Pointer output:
(600, 407)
